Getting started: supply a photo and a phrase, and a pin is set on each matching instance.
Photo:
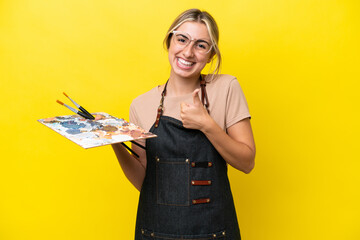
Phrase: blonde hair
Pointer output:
(196, 15)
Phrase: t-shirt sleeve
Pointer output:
(132, 115)
(236, 105)
(133, 118)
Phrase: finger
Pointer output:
(196, 98)
(183, 106)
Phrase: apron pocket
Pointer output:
(172, 181)
(149, 235)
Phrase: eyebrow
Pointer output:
(183, 35)
(197, 40)
(202, 40)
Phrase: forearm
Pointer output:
(238, 154)
(132, 167)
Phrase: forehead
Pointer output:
(195, 29)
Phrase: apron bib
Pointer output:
(186, 192)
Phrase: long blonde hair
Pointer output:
(196, 15)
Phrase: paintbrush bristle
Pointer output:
(65, 94)
(59, 102)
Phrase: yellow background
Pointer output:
(298, 64)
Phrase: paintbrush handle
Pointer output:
(77, 112)
(130, 149)
(139, 145)
(86, 112)
(84, 115)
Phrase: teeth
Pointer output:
(182, 61)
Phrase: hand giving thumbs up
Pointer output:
(194, 115)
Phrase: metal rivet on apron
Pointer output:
(194, 201)
(223, 233)
(193, 164)
(214, 235)
(208, 200)
(192, 182)
(157, 159)
(210, 164)
(142, 231)
(209, 182)
(152, 234)
(187, 160)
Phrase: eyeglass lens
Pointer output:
(183, 39)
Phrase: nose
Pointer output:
(188, 51)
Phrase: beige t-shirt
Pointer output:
(227, 103)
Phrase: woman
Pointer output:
(182, 175)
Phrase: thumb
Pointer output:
(196, 98)
(183, 106)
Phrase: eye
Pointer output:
(202, 45)
(181, 39)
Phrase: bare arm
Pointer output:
(236, 146)
(134, 168)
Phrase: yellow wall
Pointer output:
(297, 61)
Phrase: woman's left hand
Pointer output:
(194, 116)
(237, 147)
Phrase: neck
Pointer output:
(182, 86)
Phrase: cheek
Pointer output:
(172, 48)
(204, 59)
(171, 52)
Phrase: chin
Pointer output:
(185, 74)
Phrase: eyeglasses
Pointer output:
(183, 39)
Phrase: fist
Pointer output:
(194, 115)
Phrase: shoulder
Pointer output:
(146, 100)
(225, 87)
(221, 82)
(148, 96)
(219, 77)
(144, 107)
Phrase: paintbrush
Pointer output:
(75, 111)
(80, 107)
(132, 151)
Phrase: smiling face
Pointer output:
(187, 62)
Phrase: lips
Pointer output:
(182, 63)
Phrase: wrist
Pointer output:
(208, 124)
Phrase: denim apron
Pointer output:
(186, 192)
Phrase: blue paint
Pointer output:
(73, 131)
(72, 125)
(94, 124)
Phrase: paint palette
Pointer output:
(104, 130)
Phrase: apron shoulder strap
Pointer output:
(204, 97)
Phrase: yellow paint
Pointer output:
(297, 61)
